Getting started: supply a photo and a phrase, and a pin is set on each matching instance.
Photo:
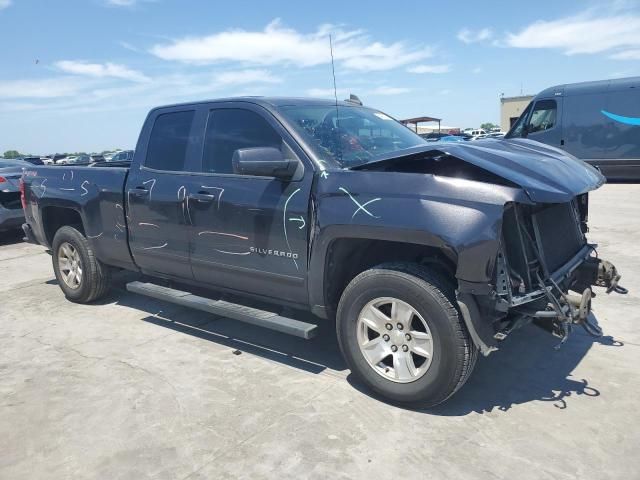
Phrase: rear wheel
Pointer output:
(81, 276)
(401, 335)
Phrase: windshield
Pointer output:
(349, 135)
(517, 129)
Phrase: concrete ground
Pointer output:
(135, 388)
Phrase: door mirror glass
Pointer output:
(264, 162)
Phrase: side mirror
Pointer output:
(525, 130)
(264, 162)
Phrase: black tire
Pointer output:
(432, 296)
(96, 277)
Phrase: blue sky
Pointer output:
(82, 74)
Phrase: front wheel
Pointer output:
(81, 276)
(401, 335)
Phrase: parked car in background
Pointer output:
(11, 213)
(598, 122)
(96, 158)
(476, 133)
(123, 156)
(32, 160)
(433, 136)
(56, 158)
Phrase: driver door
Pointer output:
(248, 233)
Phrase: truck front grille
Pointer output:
(558, 235)
(540, 239)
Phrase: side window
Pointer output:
(169, 141)
(543, 116)
(230, 129)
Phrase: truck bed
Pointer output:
(95, 193)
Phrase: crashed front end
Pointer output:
(544, 272)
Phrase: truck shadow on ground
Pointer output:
(526, 368)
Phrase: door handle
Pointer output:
(139, 192)
(202, 197)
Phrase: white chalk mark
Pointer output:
(119, 206)
(207, 232)
(159, 246)
(153, 184)
(324, 174)
(299, 219)
(68, 189)
(360, 206)
(233, 253)
(182, 192)
(64, 175)
(95, 236)
(145, 224)
(119, 227)
(284, 226)
(188, 209)
(364, 209)
(84, 188)
(219, 195)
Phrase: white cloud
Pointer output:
(101, 70)
(243, 77)
(122, 3)
(277, 44)
(328, 92)
(477, 70)
(44, 88)
(385, 90)
(344, 92)
(627, 55)
(429, 69)
(469, 36)
(584, 33)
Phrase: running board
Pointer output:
(254, 316)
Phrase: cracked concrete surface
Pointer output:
(133, 388)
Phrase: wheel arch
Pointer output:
(54, 217)
(342, 254)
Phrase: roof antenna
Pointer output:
(335, 95)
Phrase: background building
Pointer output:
(511, 108)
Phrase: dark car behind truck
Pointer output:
(423, 254)
(598, 122)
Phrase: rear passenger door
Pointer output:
(156, 192)
(249, 233)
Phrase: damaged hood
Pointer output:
(546, 174)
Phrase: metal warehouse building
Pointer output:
(511, 108)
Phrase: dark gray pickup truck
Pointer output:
(423, 254)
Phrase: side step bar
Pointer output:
(261, 318)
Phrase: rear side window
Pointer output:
(231, 129)
(543, 116)
(169, 141)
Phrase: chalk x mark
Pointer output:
(361, 206)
